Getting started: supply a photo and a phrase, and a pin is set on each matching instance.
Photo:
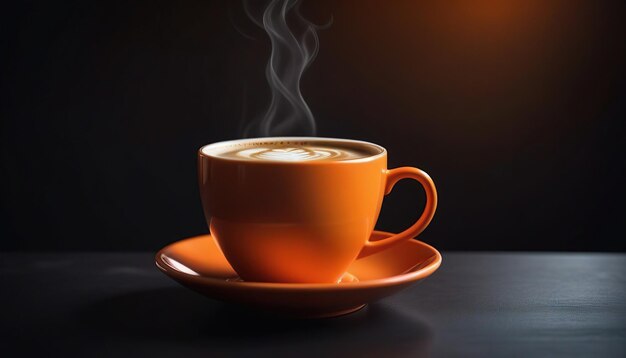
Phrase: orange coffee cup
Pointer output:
(300, 221)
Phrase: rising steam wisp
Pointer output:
(292, 53)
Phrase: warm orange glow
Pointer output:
(470, 68)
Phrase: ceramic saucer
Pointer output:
(199, 264)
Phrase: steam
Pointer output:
(292, 53)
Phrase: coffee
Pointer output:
(294, 150)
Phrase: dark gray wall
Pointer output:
(515, 109)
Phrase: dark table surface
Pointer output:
(477, 304)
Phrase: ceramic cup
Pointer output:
(300, 221)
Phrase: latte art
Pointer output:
(289, 154)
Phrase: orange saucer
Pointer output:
(199, 264)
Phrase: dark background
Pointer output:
(515, 108)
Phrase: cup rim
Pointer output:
(202, 151)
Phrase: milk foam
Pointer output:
(293, 150)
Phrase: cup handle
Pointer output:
(393, 176)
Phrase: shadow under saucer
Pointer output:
(181, 317)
